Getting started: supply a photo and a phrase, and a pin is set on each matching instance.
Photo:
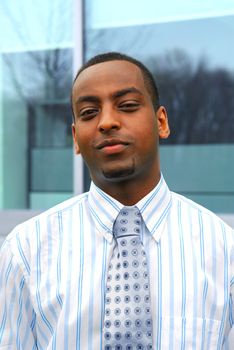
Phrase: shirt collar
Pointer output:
(154, 209)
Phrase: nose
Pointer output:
(108, 120)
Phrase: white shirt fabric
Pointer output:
(53, 274)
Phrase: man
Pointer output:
(59, 284)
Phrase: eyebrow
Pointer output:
(126, 91)
(88, 99)
(120, 93)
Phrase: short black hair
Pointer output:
(117, 56)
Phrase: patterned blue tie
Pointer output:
(128, 321)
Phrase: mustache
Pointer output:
(111, 141)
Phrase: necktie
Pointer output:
(128, 321)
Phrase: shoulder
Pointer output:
(49, 227)
(49, 215)
(197, 213)
(205, 231)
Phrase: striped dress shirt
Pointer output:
(53, 272)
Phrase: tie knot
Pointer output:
(128, 222)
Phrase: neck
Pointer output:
(129, 192)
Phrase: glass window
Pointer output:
(188, 47)
(36, 57)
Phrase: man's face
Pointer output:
(116, 128)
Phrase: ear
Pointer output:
(74, 135)
(163, 126)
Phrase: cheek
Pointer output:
(81, 135)
(148, 135)
(84, 140)
(85, 132)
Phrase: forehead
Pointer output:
(112, 75)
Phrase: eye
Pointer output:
(88, 113)
(129, 106)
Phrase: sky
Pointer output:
(117, 13)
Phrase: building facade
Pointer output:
(188, 47)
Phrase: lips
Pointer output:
(112, 147)
(110, 143)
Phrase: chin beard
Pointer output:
(119, 174)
